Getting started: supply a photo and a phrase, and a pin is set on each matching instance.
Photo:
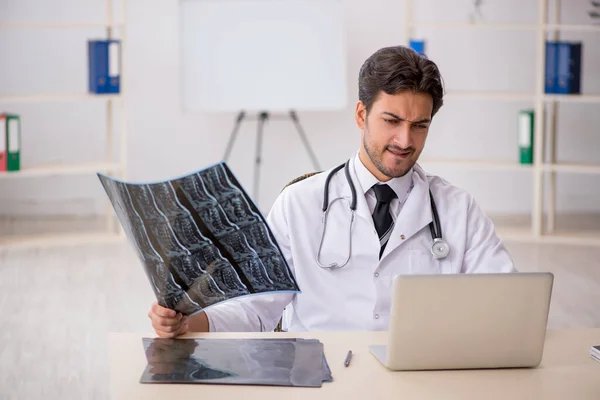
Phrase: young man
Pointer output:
(346, 274)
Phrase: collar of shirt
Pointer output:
(400, 186)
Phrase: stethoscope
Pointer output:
(439, 247)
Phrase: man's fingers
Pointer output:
(185, 327)
(171, 331)
(162, 311)
(158, 326)
(167, 321)
(165, 335)
(185, 322)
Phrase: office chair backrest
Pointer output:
(302, 177)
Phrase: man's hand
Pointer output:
(168, 323)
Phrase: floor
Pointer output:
(59, 304)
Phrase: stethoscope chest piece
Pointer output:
(439, 248)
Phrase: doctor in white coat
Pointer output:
(345, 274)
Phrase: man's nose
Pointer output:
(403, 137)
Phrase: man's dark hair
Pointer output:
(399, 68)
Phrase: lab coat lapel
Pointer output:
(415, 214)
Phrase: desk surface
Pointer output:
(566, 372)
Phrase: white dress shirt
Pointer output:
(401, 186)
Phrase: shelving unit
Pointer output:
(71, 169)
(62, 25)
(478, 164)
(114, 164)
(58, 97)
(543, 135)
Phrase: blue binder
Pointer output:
(551, 80)
(569, 68)
(104, 66)
(418, 46)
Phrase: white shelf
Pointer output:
(516, 233)
(51, 170)
(573, 168)
(57, 97)
(59, 25)
(478, 164)
(475, 25)
(524, 235)
(58, 239)
(507, 96)
(572, 238)
(573, 28)
(504, 26)
(573, 98)
(512, 166)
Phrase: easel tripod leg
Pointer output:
(233, 135)
(309, 149)
(259, 138)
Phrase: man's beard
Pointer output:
(376, 159)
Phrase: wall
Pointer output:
(164, 142)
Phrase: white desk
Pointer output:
(567, 372)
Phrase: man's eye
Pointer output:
(391, 121)
(421, 126)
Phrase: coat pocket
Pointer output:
(422, 262)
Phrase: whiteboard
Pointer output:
(263, 55)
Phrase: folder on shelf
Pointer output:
(12, 138)
(417, 45)
(526, 129)
(13, 142)
(3, 142)
(104, 66)
(551, 66)
(568, 68)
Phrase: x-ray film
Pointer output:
(200, 238)
(273, 362)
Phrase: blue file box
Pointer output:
(569, 68)
(104, 66)
(418, 46)
(551, 80)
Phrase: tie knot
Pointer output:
(384, 193)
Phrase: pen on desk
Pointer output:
(348, 358)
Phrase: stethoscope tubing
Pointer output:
(434, 226)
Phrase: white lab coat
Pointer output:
(357, 296)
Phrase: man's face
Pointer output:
(394, 132)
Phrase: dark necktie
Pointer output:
(384, 223)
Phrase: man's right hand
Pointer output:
(168, 323)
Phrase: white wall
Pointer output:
(164, 142)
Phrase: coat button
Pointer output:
(376, 274)
(402, 237)
(376, 316)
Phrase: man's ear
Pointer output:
(360, 115)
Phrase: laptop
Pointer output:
(467, 321)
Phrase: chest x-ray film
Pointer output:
(200, 238)
(272, 362)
